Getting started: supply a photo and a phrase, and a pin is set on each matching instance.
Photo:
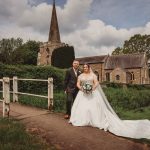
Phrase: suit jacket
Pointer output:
(71, 81)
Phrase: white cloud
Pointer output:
(74, 15)
(89, 37)
(10, 10)
(98, 38)
(36, 17)
(25, 33)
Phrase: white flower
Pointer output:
(87, 88)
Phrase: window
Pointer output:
(97, 74)
(47, 50)
(107, 76)
(132, 78)
(117, 77)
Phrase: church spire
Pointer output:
(54, 35)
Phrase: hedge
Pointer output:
(37, 72)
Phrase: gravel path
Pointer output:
(58, 132)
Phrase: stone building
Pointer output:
(131, 68)
(97, 65)
(54, 41)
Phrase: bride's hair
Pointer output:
(89, 68)
(87, 65)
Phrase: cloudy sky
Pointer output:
(93, 27)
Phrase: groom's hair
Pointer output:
(75, 60)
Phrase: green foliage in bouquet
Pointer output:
(87, 88)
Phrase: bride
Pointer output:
(91, 108)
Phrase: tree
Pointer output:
(26, 53)
(63, 57)
(7, 47)
(136, 44)
(117, 51)
(13, 51)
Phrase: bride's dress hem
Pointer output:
(94, 110)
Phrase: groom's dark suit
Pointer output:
(70, 87)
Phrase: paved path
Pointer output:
(58, 132)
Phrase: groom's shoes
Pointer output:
(66, 116)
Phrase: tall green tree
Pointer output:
(63, 57)
(7, 48)
(26, 53)
(13, 51)
(136, 44)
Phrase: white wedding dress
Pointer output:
(94, 110)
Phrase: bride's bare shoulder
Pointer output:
(81, 75)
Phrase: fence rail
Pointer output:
(6, 91)
(50, 90)
(41, 80)
(32, 95)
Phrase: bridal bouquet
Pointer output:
(87, 88)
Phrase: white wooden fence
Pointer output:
(6, 92)
(6, 95)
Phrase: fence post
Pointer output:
(15, 89)
(3, 109)
(6, 95)
(50, 94)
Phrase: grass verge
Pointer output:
(13, 136)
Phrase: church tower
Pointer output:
(54, 35)
(54, 42)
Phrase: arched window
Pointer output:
(107, 76)
(47, 50)
(97, 74)
(132, 77)
(117, 77)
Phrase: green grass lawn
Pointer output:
(139, 113)
(126, 104)
(13, 136)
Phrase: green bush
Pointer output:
(127, 99)
(38, 72)
(138, 87)
(114, 85)
(63, 57)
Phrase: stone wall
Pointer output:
(134, 76)
(118, 75)
(99, 69)
(45, 53)
(138, 75)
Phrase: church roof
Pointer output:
(92, 59)
(125, 61)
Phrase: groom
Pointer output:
(70, 87)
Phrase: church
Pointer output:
(53, 51)
(127, 69)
